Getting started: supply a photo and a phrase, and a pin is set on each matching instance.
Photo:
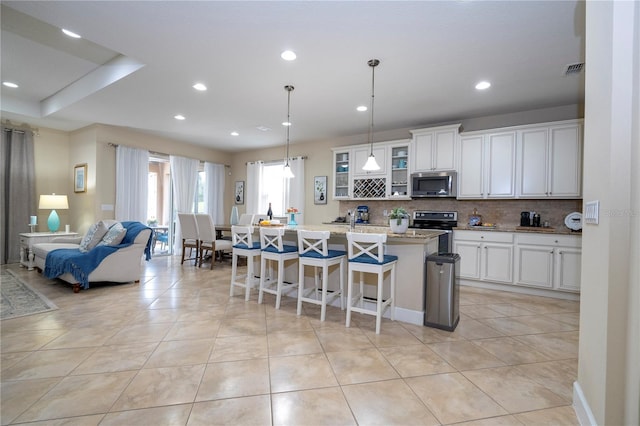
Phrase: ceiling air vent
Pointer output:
(573, 69)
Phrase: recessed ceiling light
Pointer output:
(362, 108)
(10, 84)
(483, 85)
(288, 55)
(179, 117)
(235, 134)
(286, 123)
(200, 87)
(263, 128)
(71, 33)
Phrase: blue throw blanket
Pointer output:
(80, 265)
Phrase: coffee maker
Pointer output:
(525, 219)
(362, 214)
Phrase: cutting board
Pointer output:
(535, 229)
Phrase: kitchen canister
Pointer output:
(475, 219)
(234, 216)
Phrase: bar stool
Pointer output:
(243, 245)
(313, 251)
(273, 249)
(366, 255)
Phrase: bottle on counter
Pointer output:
(270, 212)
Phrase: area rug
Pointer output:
(19, 299)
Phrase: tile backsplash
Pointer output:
(499, 212)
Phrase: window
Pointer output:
(273, 189)
(198, 203)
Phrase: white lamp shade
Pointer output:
(53, 201)
(371, 164)
(287, 173)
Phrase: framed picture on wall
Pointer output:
(320, 190)
(80, 178)
(239, 192)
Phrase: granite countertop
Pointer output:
(412, 235)
(515, 228)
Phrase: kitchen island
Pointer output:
(411, 249)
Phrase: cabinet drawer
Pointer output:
(483, 236)
(550, 240)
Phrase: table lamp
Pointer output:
(53, 202)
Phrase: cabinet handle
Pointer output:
(556, 241)
(560, 253)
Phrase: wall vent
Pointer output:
(573, 69)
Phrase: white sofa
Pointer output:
(122, 266)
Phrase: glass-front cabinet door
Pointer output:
(341, 174)
(399, 171)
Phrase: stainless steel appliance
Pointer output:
(442, 291)
(441, 221)
(434, 184)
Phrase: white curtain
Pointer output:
(253, 188)
(132, 183)
(295, 190)
(184, 176)
(214, 192)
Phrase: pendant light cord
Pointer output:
(288, 89)
(373, 63)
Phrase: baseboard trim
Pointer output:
(581, 406)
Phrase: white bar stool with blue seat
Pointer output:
(366, 255)
(274, 250)
(313, 250)
(243, 245)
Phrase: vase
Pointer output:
(234, 216)
(292, 219)
(401, 228)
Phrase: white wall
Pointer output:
(609, 357)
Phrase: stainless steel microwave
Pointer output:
(434, 184)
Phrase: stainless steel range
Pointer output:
(441, 221)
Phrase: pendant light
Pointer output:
(287, 169)
(371, 164)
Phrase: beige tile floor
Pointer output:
(176, 350)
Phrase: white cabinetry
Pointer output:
(549, 161)
(548, 261)
(485, 256)
(341, 174)
(487, 165)
(398, 170)
(434, 149)
(361, 155)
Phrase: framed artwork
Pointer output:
(239, 193)
(320, 190)
(80, 178)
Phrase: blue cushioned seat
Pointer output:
(256, 246)
(368, 259)
(285, 249)
(330, 254)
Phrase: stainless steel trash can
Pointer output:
(442, 291)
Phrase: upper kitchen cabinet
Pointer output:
(341, 172)
(487, 165)
(362, 153)
(399, 155)
(434, 149)
(550, 161)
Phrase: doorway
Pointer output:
(160, 205)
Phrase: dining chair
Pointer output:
(207, 239)
(246, 219)
(190, 239)
(313, 250)
(366, 255)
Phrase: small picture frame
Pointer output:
(80, 178)
(239, 192)
(320, 190)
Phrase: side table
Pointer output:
(28, 239)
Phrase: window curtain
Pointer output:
(184, 177)
(17, 190)
(253, 188)
(132, 184)
(295, 190)
(214, 192)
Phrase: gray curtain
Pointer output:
(17, 190)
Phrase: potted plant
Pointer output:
(399, 220)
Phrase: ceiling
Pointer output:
(137, 61)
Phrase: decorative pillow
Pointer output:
(114, 235)
(93, 236)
